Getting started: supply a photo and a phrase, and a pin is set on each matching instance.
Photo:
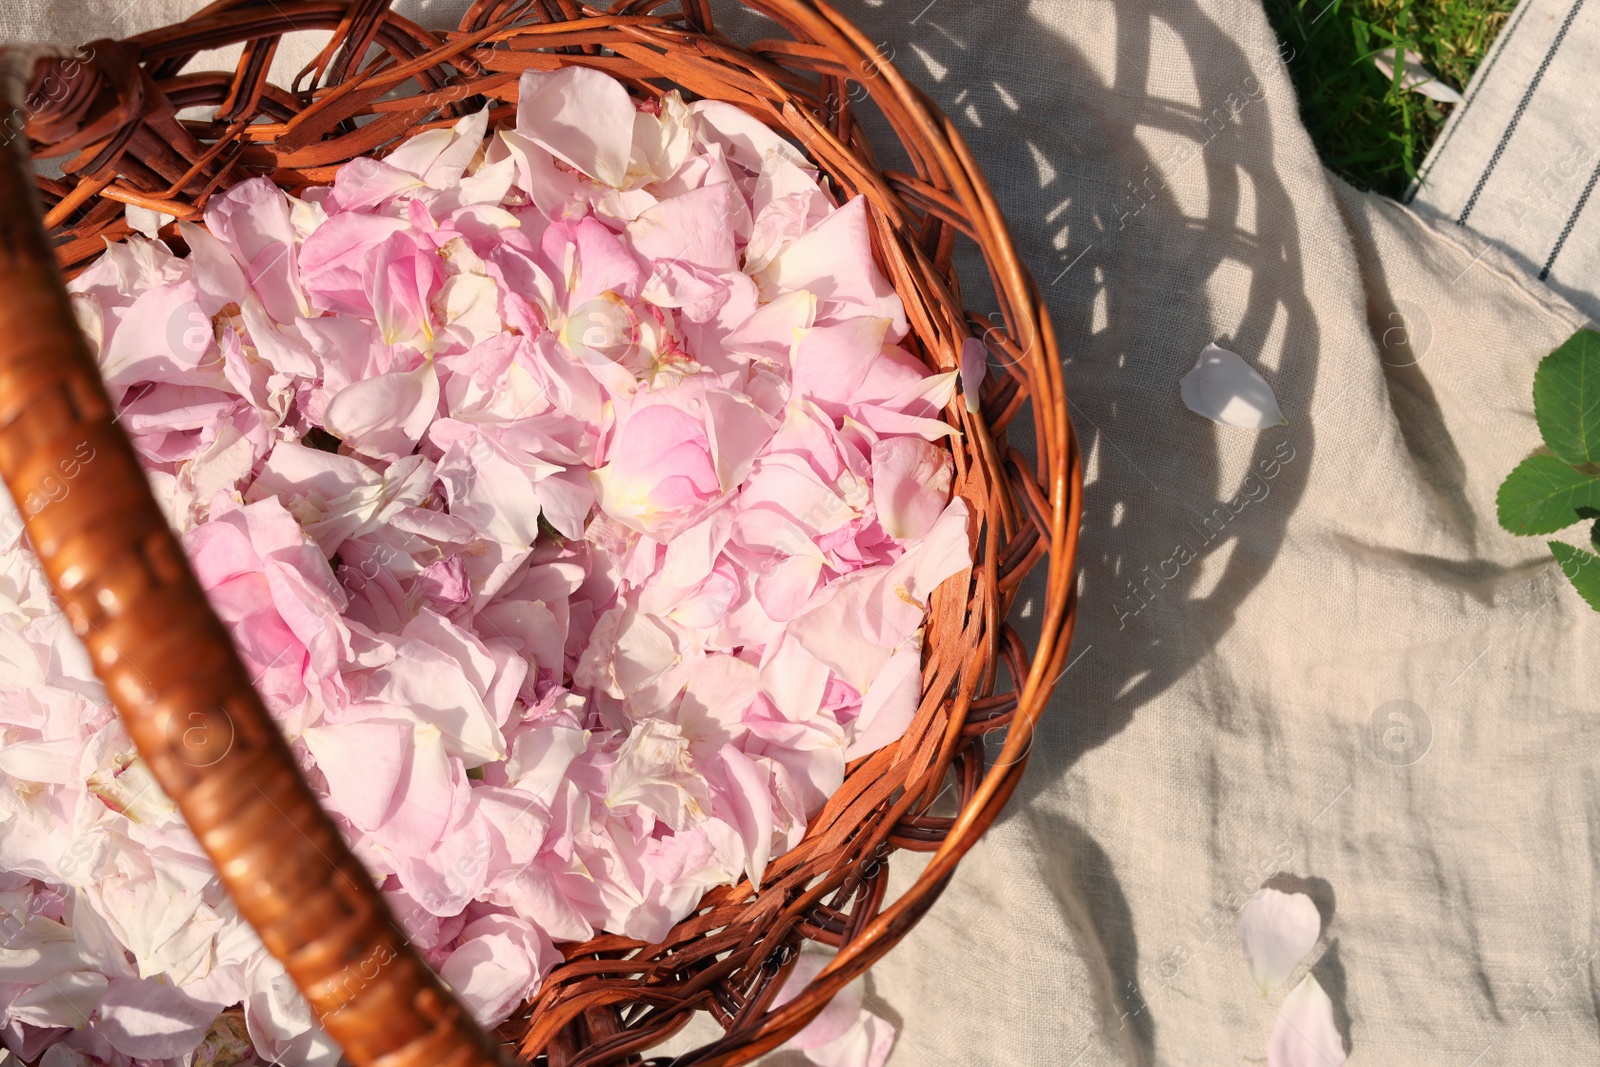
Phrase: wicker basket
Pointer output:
(111, 113)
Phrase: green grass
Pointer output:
(1366, 127)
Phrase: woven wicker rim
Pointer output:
(115, 113)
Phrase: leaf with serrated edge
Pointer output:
(1566, 399)
(1543, 495)
(1582, 570)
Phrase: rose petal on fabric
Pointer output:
(1415, 76)
(362, 762)
(151, 1019)
(910, 485)
(1224, 388)
(866, 1044)
(844, 1033)
(580, 115)
(1276, 931)
(1305, 1034)
(386, 415)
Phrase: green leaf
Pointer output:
(1566, 399)
(1543, 495)
(1582, 570)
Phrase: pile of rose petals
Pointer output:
(572, 505)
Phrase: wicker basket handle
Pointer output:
(171, 670)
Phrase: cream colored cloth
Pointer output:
(1359, 688)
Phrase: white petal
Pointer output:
(65, 1000)
(1276, 930)
(1304, 1035)
(146, 220)
(1224, 389)
(1416, 77)
(1434, 89)
(151, 1019)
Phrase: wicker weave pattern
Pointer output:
(112, 114)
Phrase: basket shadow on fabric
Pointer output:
(1126, 286)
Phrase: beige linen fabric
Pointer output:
(1357, 686)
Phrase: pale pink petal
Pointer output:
(748, 803)
(386, 415)
(889, 704)
(424, 798)
(831, 362)
(366, 183)
(1276, 931)
(592, 260)
(834, 261)
(736, 432)
(652, 773)
(363, 763)
(216, 273)
(401, 276)
(974, 367)
(582, 116)
(487, 486)
(835, 1019)
(435, 687)
(492, 975)
(152, 1019)
(785, 586)
(910, 485)
(1415, 76)
(252, 222)
(440, 157)
(1305, 1034)
(164, 336)
(66, 999)
(333, 259)
(690, 230)
(794, 680)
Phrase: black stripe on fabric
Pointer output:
(1572, 220)
(1516, 116)
(1474, 90)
